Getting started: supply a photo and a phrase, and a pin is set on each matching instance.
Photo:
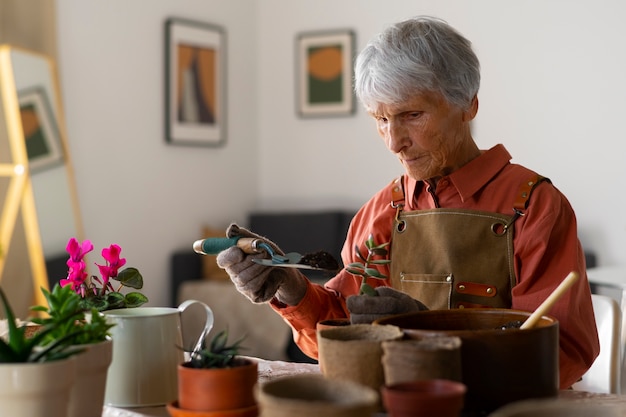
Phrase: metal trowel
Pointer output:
(213, 246)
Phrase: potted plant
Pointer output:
(36, 377)
(365, 268)
(87, 396)
(217, 378)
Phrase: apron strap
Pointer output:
(397, 192)
(519, 205)
(526, 189)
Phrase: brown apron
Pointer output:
(456, 258)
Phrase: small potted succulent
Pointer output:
(216, 378)
(36, 377)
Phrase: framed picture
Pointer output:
(195, 101)
(324, 73)
(41, 133)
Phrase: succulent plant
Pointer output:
(64, 302)
(377, 254)
(21, 348)
(219, 354)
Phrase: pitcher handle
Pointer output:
(208, 324)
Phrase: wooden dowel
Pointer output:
(547, 304)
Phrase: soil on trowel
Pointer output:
(321, 260)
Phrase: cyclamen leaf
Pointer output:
(98, 302)
(130, 277)
(135, 299)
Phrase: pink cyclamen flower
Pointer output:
(76, 265)
(114, 263)
(78, 250)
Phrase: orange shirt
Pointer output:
(546, 249)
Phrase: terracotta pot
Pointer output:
(354, 352)
(312, 395)
(87, 396)
(499, 365)
(426, 398)
(36, 389)
(217, 389)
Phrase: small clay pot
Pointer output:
(427, 398)
(217, 389)
(312, 395)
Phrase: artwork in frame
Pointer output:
(324, 73)
(41, 133)
(195, 100)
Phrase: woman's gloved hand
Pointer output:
(387, 302)
(260, 283)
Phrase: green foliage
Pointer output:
(367, 267)
(63, 302)
(19, 348)
(218, 355)
(102, 300)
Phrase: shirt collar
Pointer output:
(472, 176)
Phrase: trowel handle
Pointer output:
(214, 245)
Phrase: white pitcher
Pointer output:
(147, 349)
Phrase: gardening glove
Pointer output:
(387, 302)
(260, 283)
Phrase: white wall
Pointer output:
(134, 189)
(552, 92)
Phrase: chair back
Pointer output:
(605, 373)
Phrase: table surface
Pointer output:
(269, 370)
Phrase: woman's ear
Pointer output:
(470, 113)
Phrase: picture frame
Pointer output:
(195, 98)
(324, 73)
(41, 132)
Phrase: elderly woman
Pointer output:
(467, 228)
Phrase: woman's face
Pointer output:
(430, 136)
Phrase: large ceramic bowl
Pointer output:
(499, 365)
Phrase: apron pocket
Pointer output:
(434, 290)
